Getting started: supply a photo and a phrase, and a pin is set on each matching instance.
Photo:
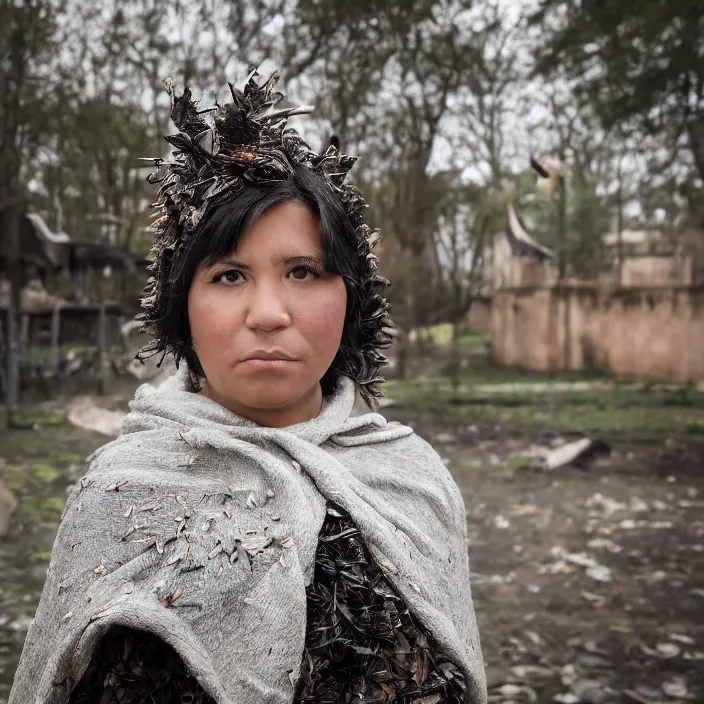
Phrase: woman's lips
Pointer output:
(256, 364)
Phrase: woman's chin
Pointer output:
(269, 394)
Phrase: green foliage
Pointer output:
(52, 505)
(64, 459)
(639, 62)
(694, 426)
(28, 417)
(520, 463)
(441, 335)
(44, 472)
(17, 479)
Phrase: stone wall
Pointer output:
(655, 333)
(480, 315)
(653, 270)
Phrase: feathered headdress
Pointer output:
(218, 152)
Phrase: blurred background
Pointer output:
(537, 170)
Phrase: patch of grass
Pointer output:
(17, 479)
(26, 417)
(42, 556)
(520, 463)
(57, 418)
(441, 335)
(631, 420)
(52, 504)
(474, 341)
(64, 459)
(40, 467)
(39, 507)
(483, 371)
(694, 426)
(44, 472)
(497, 397)
(29, 507)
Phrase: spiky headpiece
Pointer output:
(220, 151)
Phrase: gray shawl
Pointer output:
(202, 527)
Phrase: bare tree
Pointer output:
(29, 32)
(469, 214)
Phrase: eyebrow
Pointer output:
(298, 260)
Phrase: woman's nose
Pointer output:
(267, 308)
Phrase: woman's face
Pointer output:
(267, 320)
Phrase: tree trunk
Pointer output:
(10, 201)
(562, 226)
(401, 346)
(619, 227)
(412, 318)
(695, 132)
(14, 275)
(455, 358)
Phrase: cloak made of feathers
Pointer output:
(201, 528)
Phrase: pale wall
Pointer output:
(653, 333)
(480, 315)
(503, 269)
(655, 270)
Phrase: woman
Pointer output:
(247, 539)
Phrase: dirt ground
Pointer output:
(588, 583)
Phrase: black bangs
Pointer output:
(219, 235)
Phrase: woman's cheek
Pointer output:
(328, 318)
(213, 316)
(331, 315)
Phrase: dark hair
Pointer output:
(364, 332)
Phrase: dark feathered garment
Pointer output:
(362, 644)
(132, 667)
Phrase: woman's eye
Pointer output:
(300, 273)
(229, 277)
